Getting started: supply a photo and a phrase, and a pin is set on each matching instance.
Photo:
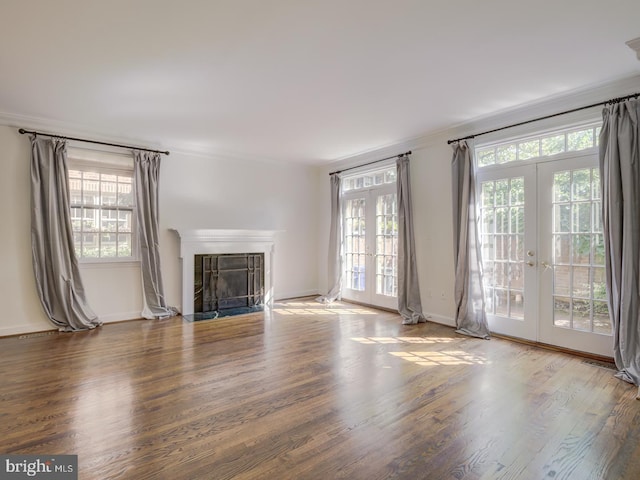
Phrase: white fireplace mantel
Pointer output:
(219, 241)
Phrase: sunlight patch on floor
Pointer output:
(446, 358)
(322, 311)
(398, 340)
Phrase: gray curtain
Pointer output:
(409, 304)
(335, 243)
(146, 177)
(468, 294)
(55, 265)
(620, 173)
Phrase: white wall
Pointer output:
(21, 310)
(200, 192)
(195, 192)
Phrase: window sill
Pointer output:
(108, 264)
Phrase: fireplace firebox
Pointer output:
(228, 284)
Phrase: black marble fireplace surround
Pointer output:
(228, 284)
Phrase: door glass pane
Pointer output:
(386, 245)
(578, 254)
(354, 243)
(502, 233)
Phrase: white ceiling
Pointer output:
(310, 81)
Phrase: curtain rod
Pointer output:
(606, 102)
(22, 131)
(371, 163)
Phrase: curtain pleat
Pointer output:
(146, 179)
(409, 303)
(620, 188)
(468, 293)
(335, 243)
(55, 264)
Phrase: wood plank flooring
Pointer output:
(310, 391)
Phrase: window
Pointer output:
(102, 211)
(551, 143)
(370, 242)
(369, 180)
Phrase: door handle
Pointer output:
(545, 265)
(531, 264)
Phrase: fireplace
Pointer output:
(228, 284)
(232, 250)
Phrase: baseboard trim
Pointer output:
(292, 296)
(120, 317)
(546, 346)
(19, 331)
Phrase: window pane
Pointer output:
(124, 220)
(561, 280)
(599, 284)
(124, 245)
(581, 315)
(581, 248)
(580, 140)
(487, 194)
(486, 157)
(502, 220)
(90, 245)
(76, 219)
(581, 282)
(125, 193)
(598, 249)
(502, 247)
(562, 218)
(516, 302)
(562, 312)
(529, 150)
(517, 220)
(77, 243)
(601, 321)
(562, 187)
(506, 153)
(552, 145)
(517, 191)
(502, 192)
(582, 217)
(501, 299)
(390, 176)
(108, 195)
(518, 254)
(581, 184)
(562, 249)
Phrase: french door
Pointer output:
(370, 226)
(543, 253)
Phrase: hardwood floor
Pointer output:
(313, 392)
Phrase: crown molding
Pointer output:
(549, 105)
(13, 120)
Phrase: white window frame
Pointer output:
(370, 190)
(105, 163)
(515, 142)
